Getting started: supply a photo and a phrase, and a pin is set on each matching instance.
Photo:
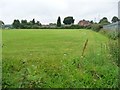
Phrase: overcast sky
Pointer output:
(47, 11)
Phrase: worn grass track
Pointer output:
(52, 58)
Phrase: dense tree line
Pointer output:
(68, 23)
(26, 25)
(104, 21)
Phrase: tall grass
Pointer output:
(113, 46)
(52, 59)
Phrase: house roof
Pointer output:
(84, 23)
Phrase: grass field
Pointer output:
(52, 59)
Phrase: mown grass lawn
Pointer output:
(52, 59)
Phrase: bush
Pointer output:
(88, 27)
(113, 43)
(114, 50)
(96, 27)
(75, 27)
(112, 34)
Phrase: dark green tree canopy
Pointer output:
(104, 21)
(24, 21)
(32, 22)
(38, 23)
(68, 20)
(59, 22)
(1, 22)
(16, 24)
(26, 25)
(23, 24)
(115, 19)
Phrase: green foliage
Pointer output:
(1, 22)
(112, 44)
(52, 59)
(59, 22)
(75, 27)
(23, 24)
(24, 21)
(33, 21)
(26, 25)
(96, 27)
(112, 34)
(68, 20)
(114, 51)
(38, 23)
(16, 24)
(115, 19)
(104, 21)
(72, 27)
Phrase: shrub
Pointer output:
(75, 27)
(112, 34)
(96, 27)
(114, 50)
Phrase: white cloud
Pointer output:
(47, 11)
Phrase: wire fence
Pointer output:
(113, 26)
(113, 30)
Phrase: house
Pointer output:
(84, 23)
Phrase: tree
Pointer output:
(24, 21)
(38, 23)
(96, 27)
(23, 24)
(115, 19)
(104, 21)
(16, 24)
(68, 20)
(59, 22)
(33, 21)
(1, 24)
(91, 22)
